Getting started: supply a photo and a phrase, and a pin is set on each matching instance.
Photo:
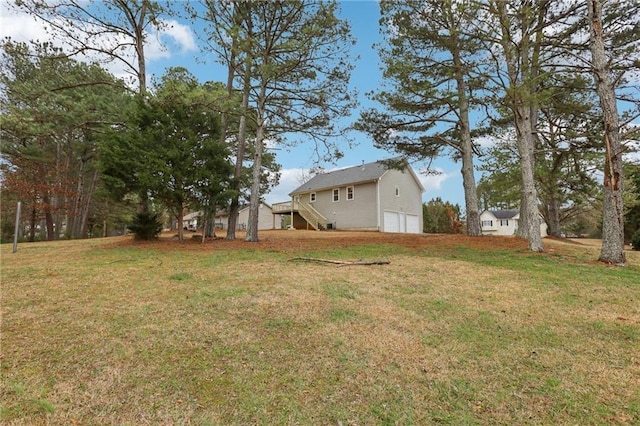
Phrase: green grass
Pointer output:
(100, 333)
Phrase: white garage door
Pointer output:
(413, 224)
(401, 222)
(391, 222)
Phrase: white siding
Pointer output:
(357, 213)
(399, 192)
(505, 227)
(265, 218)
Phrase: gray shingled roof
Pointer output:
(351, 175)
(504, 214)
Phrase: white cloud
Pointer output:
(172, 38)
(432, 182)
(270, 143)
(20, 26)
(181, 34)
(485, 141)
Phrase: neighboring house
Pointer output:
(367, 197)
(190, 221)
(504, 222)
(267, 219)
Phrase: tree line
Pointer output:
(552, 84)
(175, 144)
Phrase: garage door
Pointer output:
(391, 222)
(401, 222)
(413, 224)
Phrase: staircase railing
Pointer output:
(312, 216)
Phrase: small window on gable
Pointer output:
(336, 195)
(350, 193)
(312, 197)
(397, 191)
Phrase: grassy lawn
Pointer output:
(452, 331)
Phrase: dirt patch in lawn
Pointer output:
(294, 242)
(281, 240)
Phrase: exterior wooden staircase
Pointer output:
(312, 216)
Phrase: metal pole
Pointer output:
(15, 233)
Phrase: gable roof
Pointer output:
(225, 212)
(247, 206)
(504, 214)
(349, 176)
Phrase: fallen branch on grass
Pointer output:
(342, 262)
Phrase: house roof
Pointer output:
(504, 214)
(351, 175)
(191, 216)
(246, 206)
(225, 212)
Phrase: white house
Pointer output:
(190, 221)
(267, 219)
(504, 222)
(370, 196)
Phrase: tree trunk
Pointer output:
(138, 28)
(33, 220)
(254, 202)
(529, 215)
(237, 175)
(613, 214)
(84, 217)
(553, 216)
(466, 152)
(59, 199)
(521, 99)
(73, 225)
(180, 219)
(48, 217)
(242, 131)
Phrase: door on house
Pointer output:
(413, 224)
(391, 222)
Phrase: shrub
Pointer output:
(635, 240)
(145, 226)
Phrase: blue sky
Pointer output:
(181, 50)
(363, 17)
(177, 45)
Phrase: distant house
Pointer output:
(371, 196)
(190, 221)
(504, 222)
(267, 219)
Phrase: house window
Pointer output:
(504, 222)
(312, 197)
(397, 191)
(487, 223)
(350, 193)
(336, 195)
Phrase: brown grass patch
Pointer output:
(454, 330)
